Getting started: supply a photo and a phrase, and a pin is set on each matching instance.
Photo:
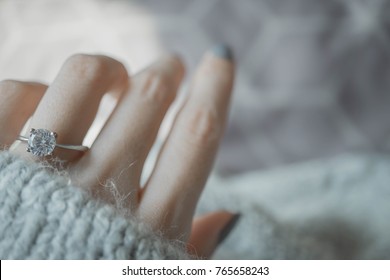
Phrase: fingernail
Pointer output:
(222, 51)
(228, 228)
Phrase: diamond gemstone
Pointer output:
(41, 142)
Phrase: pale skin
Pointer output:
(69, 105)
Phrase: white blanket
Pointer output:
(332, 209)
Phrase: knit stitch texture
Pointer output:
(42, 216)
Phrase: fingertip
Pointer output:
(229, 226)
(178, 60)
(222, 51)
(210, 231)
(217, 69)
(219, 60)
(176, 64)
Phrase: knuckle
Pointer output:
(88, 67)
(203, 127)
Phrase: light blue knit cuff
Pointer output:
(43, 217)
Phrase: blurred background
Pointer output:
(313, 75)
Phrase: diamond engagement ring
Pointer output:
(42, 143)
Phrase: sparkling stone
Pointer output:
(41, 142)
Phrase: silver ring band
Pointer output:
(69, 147)
(42, 143)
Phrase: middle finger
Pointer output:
(120, 150)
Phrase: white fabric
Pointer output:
(331, 209)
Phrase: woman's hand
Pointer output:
(69, 105)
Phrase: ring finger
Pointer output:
(18, 101)
(71, 102)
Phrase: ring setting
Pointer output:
(42, 142)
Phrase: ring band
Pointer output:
(42, 142)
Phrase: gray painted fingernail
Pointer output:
(228, 228)
(223, 51)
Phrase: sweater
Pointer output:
(43, 216)
(325, 209)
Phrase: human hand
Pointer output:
(69, 105)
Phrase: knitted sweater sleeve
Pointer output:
(42, 216)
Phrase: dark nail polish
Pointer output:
(222, 51)
(228, 228)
